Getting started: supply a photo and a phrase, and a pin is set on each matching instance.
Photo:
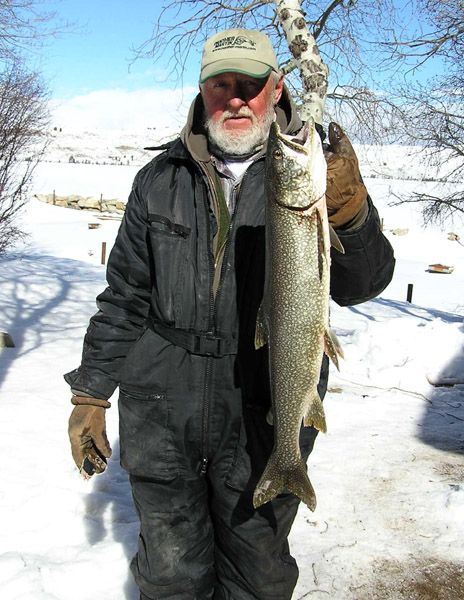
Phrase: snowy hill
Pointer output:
(388, 475)
(106, 147)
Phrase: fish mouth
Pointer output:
(302, 139)
(299, 143)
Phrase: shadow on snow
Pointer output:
(46, 300)
(111, 492)
(38, 302)
(442, 425)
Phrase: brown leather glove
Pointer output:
(346, 194)
(87, 433)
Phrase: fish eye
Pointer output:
(278, 154)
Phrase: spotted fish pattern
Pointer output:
(294, 316)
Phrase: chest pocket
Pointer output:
(169, 243)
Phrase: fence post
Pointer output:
(103, 254)
(409, 296)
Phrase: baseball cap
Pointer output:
(244, 51)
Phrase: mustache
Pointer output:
(242, 112)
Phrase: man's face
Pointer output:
(239, 110)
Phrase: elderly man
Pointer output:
(175, 329)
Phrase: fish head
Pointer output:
(296, 169)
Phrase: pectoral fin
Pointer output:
(321, 254)
(260, 331)
(335, 240)
(332, 347)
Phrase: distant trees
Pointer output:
(23, 112)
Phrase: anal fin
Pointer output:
(315, 416)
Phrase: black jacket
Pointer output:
(160, 273)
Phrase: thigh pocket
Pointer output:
(239, 473)
(147, 446)
(254, 446)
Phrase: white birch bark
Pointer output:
(302, 46)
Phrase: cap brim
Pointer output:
(252, 68)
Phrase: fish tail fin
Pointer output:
(260, 331)
(299, 484)
(270, 484)
(332, 347)
(315, 415)
(274, 481)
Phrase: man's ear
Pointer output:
(279, 89)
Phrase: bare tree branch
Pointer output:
(319, 26)
(373, 50)
(435, 209)
(182, 27)
(22, 24)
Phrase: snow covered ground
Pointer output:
(389, 474)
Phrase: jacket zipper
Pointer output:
(204, 461)
(212, 321)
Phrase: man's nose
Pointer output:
(236, 101)
(237, 96)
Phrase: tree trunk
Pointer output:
(313, 72)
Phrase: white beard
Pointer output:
(239, 142)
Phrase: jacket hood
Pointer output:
(194, 136)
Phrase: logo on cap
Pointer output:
(234, 41)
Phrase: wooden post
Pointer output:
(6, 341)
(409, 296)
(103, 254)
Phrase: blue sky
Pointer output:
(94, 51)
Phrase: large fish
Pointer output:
(294, 315)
